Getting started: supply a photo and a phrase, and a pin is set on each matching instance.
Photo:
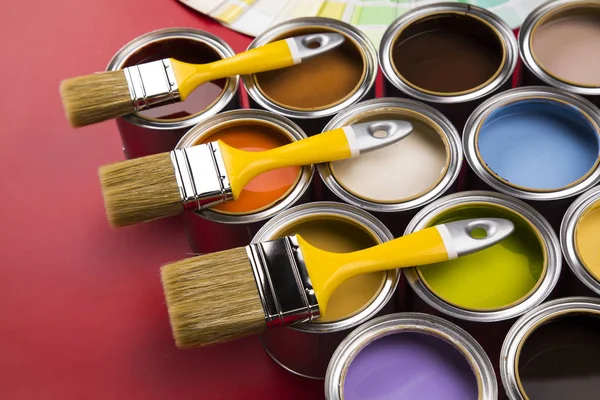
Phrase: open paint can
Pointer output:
(540, 144)
(305, 349)
(410, 356)
(159, 129)
(312, 92)
(500, 282)
(395, 181)
(559, 44)
(552, 352)
(233, 224)
(580, 238)
(450, 56)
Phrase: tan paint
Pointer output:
(587, 239)
(341, 236)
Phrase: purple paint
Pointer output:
(411, 366)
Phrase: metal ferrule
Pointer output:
(201, 176)
(152, 84)
(283, 283)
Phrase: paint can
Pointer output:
(450, 56)
(312, 92)
(396, 181)
(579, 239)
(538, 144)
(419, 355)
(233, 224)
(158, 130)
(559, 46)
(552, 352)
(305, 349)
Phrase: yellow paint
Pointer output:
(243, 166)
(331, 9)
(494, 278)
(327, 270)
(341, 235)
(587, 239)
(230, 14)
(271, 56)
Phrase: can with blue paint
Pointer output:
(538, 144)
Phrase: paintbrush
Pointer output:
(235, 293)
(105, 95)
(205, 175)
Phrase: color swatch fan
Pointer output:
(252, 17)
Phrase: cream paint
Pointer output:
(397, 172)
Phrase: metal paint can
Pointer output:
(535, 72)
(311, 93)
(419, 327)
(305, 349)
(538, 334)
(213, 230)
(546, 170)
(434, 140)
(158, 130)
(581, 252)
(448, 21)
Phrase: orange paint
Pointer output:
(267, 188)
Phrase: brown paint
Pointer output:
(561, 359)
(447, 54)
(341, 236)
(317, 83)
(185, 50)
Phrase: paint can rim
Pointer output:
(550, 243)
(289, 128)
(525, 325)
(511, 96)
(216, 44)
(360, 40)
(526, 52)
(444, 126)
(413, 322)
(567, 237)
(501, 28)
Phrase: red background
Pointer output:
(82, 310)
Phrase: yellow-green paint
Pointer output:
(332, 9)
(494, 278)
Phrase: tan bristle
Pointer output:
(96, 98)
(212, 298)
(139, 190)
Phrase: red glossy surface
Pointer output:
(83, 315)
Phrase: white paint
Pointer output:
(448, 242)
(398, 172)
(352, 141)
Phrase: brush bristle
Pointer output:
(212, 298)
(96, 98)
(139, 190)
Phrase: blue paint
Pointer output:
(539, 144)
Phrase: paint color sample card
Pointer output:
(252, 17)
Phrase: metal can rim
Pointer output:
(526, 52)
(550, 242)
(357, 215)
(446, 127)
(416, 322)
(567, 237)
(512, 95)
(216, 44)
(290, 128)
(361, 41)
(504, 30)
(520, 329)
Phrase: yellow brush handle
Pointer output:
(243, 166)
(327, 271)
(265, 58)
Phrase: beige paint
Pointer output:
(587, 239)
(398, 172)
(341, 236)
(568, 47)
